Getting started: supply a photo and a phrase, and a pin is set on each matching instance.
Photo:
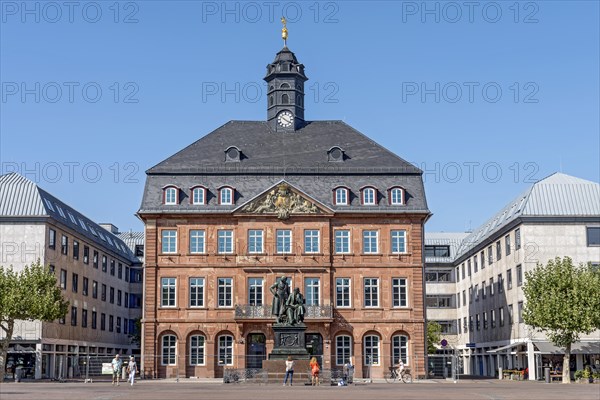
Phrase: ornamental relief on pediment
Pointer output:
(283, 202)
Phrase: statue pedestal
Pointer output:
(289, 341)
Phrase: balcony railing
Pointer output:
(246, 311)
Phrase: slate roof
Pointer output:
(299, 158)
(20, 197)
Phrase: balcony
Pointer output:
(246, 311)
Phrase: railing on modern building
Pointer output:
(246, 311)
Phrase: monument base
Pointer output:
(289, 341)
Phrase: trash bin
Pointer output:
(547, 374)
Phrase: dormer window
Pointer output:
(335, 154)
(369, 196)
(396, 195)
(232, 154)
(199, 195)
(170, 195)
(226, 195)
(341, 196)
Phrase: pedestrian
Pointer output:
(314, 371)
(348, 371)
(116, 363)
(289, 371)
(131, 369)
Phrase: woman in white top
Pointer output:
(132, 369)
(289, 371)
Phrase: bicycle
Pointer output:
(393, 376)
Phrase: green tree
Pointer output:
(434, 331)
(562, 301)
(30, 294)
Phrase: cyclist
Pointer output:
(400, 369)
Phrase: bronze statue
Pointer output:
(281, 291)
(295, 308)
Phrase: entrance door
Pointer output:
(256, 350)
(314, 345)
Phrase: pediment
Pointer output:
(283, 200)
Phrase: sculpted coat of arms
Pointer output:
(283, 202)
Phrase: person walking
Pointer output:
(131, 369)
(314, 371)
(289, 371)
(117, 364)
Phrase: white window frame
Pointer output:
(400, 349)
(397, 196)
(309, 241)
(197, 235)
(197, 284)
(199, 358)
(169, 351)
(343, 235)
(255, 241)
(343, 349)
(168, 286)
(398, 237)
(368, 291)
(369, 194)
(225, 347)
(398, 297)
(252, 283)
(226, 196)
(370, 247)
(171, 196)
(371, 349)
(198, 192)
(283, 236)
(225, 235)
(345, 295)
(168, 238)
(314, 284)
(341, 196)
(224, 288)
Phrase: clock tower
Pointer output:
(285, 90)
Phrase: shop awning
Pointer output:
(576, 348)
(505, 349)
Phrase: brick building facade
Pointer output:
(315, 201)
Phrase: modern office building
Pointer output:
(92, 266)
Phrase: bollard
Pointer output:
(500, 373)
(547, 374)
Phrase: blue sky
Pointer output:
(485, 97)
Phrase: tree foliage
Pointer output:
(562, 301)
(30, 294)
(434, 331)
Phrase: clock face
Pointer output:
(285, 119)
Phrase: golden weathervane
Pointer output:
(284, 31)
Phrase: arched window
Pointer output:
(400, 349)
(169, 350)
(343, 349)
(170, 195)
(341, 197)
(197, 350)
(285, 99)
(369, 196)
(225, 349)
(284, 86)
(270, 100)
(226, 196)
(199, 195)
(396, 196)
(371, 350)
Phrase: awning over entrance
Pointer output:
(576, 348)
(505, 349)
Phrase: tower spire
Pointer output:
(284, 31)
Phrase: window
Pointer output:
(198, 195)
(498, 250)
(438, 276)
(510, 314)
(399, 292)
(457, 274)
(464, 296)
(475, 264)
(371, 344)
(284, 241)
(171, 196)
(459, 326)
(491, 286)
(75, 283)
(470, 294)
(462, 267)
(255, 291)
(126, 298)
(112, 295)
(371, 292)
(593, 236)
(226, 196)
(94, 289)
(126, 274)
(483, 289)
(63, 279)
(509, 279)
(370, 242)
(342, 292)
(95, 260)
(343, 349)
(519, 275)
(342, 241)
(139, 250)
(517, 239)
(500, 283)
(437, 251)
(112, 267)
(102, 322)
(111, 323)
(168, 292)
(507, 244)
(438, 301)
(84, 290)
(226, 350)
(64, 247)
(471, 322)
(399, 349)
(501, 315)
(169, 241)
(125, 325)
(520, 311)
(75, 250)
(311, 241)
(197, 244)
(225, 286)
(196, 292)
(103, 293)
(477, 322)
(225, 242)
(396, 196)
(476, 292)
(73, 316)
(341, 197)
(119, 297)
(169, 349)
(197, 350)
(369, 196)
(51, 239)
(255, 241)
(104, 263)
(118, 325)
(311, 289)
(490, 255)
(458, 300)
(485, 320)
(493, 318)
(86, 254)
(469, 267)
(398, 241)
(482, 259)
(94, 318)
